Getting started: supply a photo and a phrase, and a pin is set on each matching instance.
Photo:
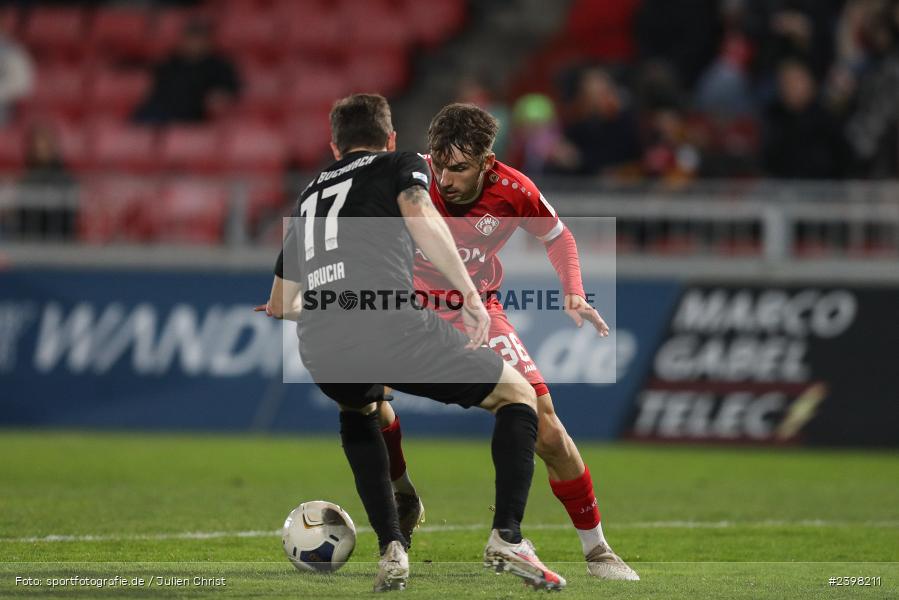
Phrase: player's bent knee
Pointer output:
(512, 388)
(386, 415)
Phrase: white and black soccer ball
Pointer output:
(318, 536)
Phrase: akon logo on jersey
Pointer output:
(466, 254)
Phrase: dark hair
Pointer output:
(360, 120)
(464, 126)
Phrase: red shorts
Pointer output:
(504, 341)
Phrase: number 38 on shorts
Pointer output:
(505, 342)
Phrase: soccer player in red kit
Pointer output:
(487, 201)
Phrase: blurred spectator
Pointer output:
(798, 29)
(669, 155)
(853, 43)
(853, 35)
(658, 86)
(683, 33)
(473, 90)
(601, 127)
(192, 85)
(46, 202)
(537, 144)
(16, 75)
(873, 129)
(725, 88)
(840, 91)
(803, 140)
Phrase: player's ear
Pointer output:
(391, 142)
(489, 161)
(335, 151)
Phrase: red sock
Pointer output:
(393, 438)
(578, 498)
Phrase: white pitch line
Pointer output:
(208, 535)
(187, 535)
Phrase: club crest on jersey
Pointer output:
(487, 224)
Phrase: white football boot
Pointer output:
(520, 560)
(605, 564)
(393, 569)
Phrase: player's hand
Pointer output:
(477, 322)
(580, 310)
(267, 309)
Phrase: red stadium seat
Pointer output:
(190, 211)
(189, 148)
(375, 25)
(112, 208)
(248, 31)
(296, 8)
(55, 30)
(266, 197)
(223, 6)
(254, 148)
(165, 32)
(382, 72)
(12, 149)
(314, 88)
(116, 92)
(369, 6)
(322, 33)
(432, 22)
(72, 145)
(122, 32)
(9, 20)
(58, 90)
(123, 148)
(308, 137)
(261, 96)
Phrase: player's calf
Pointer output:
(367, 457)
(556, 448)
(552, 442)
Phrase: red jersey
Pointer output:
(481, 228)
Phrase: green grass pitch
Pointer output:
(694, 522)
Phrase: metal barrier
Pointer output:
(813, 229)
(774, 221)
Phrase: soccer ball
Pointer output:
(318, 536)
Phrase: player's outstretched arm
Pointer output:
(562, 252)
(432, 235)
(282, 289)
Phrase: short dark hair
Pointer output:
(360, 120)
(464, 126)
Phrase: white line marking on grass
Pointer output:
(187, 535)
(209, 535)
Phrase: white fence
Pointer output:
(743, 229)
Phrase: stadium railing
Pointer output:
(721, 227)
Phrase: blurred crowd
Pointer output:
(672, 91)
(658, 91)
(172, 119)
